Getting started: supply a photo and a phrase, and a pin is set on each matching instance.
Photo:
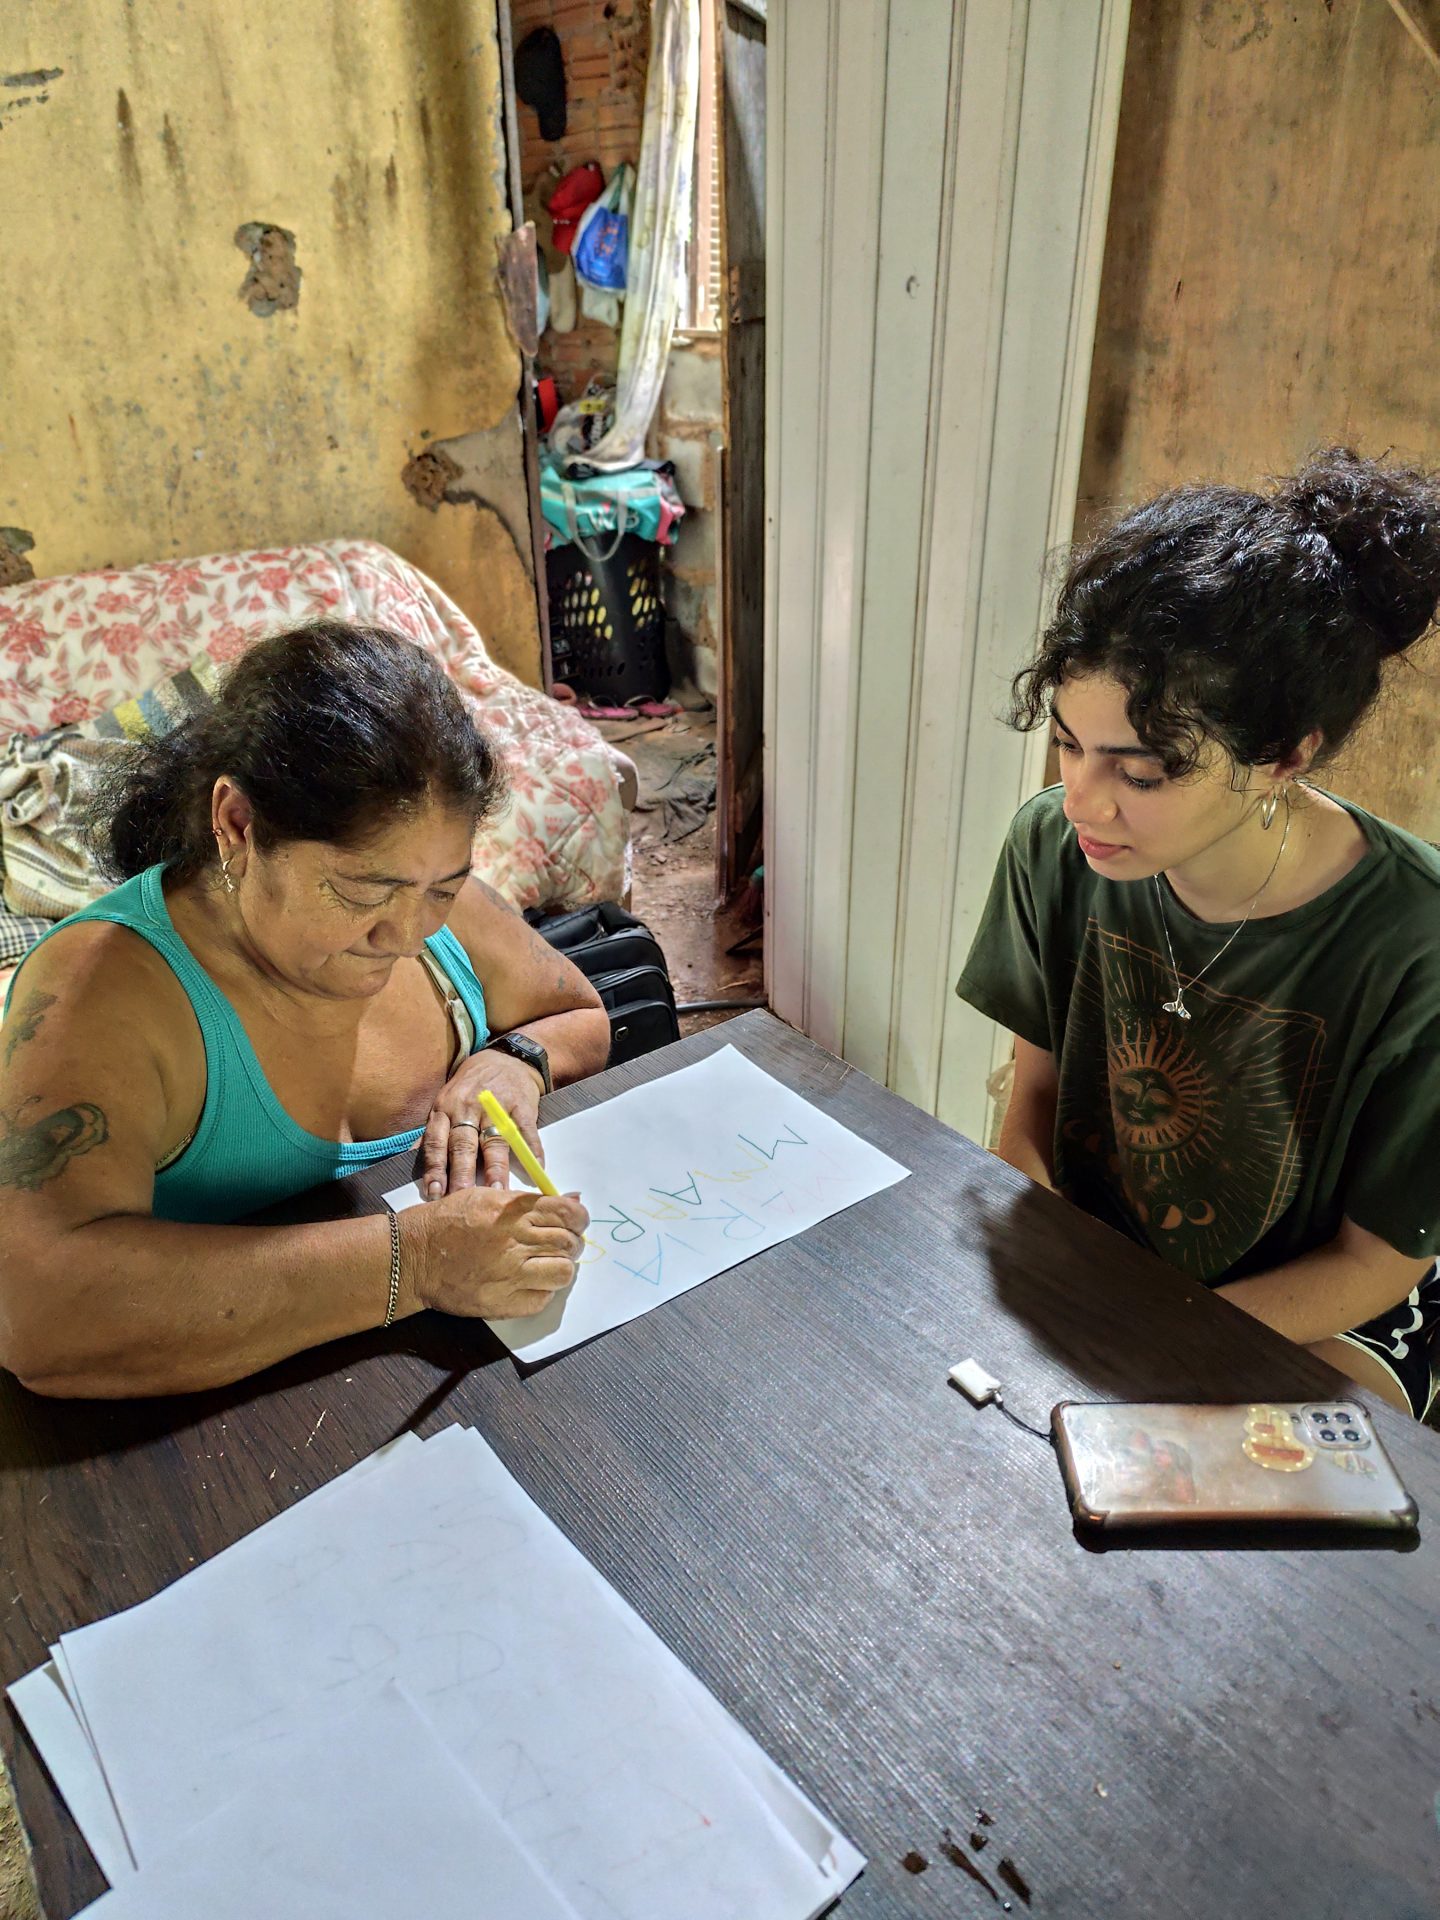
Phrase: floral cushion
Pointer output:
(72, 648)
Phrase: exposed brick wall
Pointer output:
(605, 44)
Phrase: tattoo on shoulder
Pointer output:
(26, 1021)
(495, 899)
(34, 1151)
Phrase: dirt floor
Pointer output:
(674, 887)
(18, 1900)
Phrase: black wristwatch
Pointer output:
(521, 1047)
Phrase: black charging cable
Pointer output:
(982, 1389)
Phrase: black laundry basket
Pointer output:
(607, 626)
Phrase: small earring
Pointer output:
(224, 864)
(1270, 806)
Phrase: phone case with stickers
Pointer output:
(1312, 1468)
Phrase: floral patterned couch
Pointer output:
(74, 646)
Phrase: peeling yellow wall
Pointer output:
(145, 410)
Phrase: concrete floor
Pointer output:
(673, 890)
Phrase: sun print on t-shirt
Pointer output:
(1197, 1129)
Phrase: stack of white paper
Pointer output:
(685, 1177)
(416, 1651)
(369, 1815)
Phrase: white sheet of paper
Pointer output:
(684, 1177)
(562, 1705)
(42, 1703)
(44, 1699)
(366, 1814)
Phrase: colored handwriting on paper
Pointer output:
(684, 1177)
(640, 1248)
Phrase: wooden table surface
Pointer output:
(878, 1580)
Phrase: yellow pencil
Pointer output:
(515, 1140)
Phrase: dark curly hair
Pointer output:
(1248, 619)
(329, 730)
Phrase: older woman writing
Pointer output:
(297, 978)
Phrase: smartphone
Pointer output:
(1236, 1474)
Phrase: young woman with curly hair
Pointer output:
(1223, 981)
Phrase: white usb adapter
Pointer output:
(978, 1387)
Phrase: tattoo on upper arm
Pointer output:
(26, 1022)
(34, 1152)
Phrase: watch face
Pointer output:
(530, 1051)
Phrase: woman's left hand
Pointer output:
(459, 1155)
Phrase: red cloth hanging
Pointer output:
(570, 199)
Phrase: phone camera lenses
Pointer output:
(1351, 1434)
(1327, 1433)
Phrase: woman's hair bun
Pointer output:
(1383, 525)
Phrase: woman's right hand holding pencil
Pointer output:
(490, 1253)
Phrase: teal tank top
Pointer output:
(246, 1151)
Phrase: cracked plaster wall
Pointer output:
(148, 410)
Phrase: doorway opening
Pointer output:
(697, 838)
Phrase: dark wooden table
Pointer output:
(881, 1582)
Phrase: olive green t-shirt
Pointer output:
(1306, 1086)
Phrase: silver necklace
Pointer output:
(1177, 1006)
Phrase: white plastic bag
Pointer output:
(577, 426)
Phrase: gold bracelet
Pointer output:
(394, 1299)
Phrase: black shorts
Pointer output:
(1406, 1342)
